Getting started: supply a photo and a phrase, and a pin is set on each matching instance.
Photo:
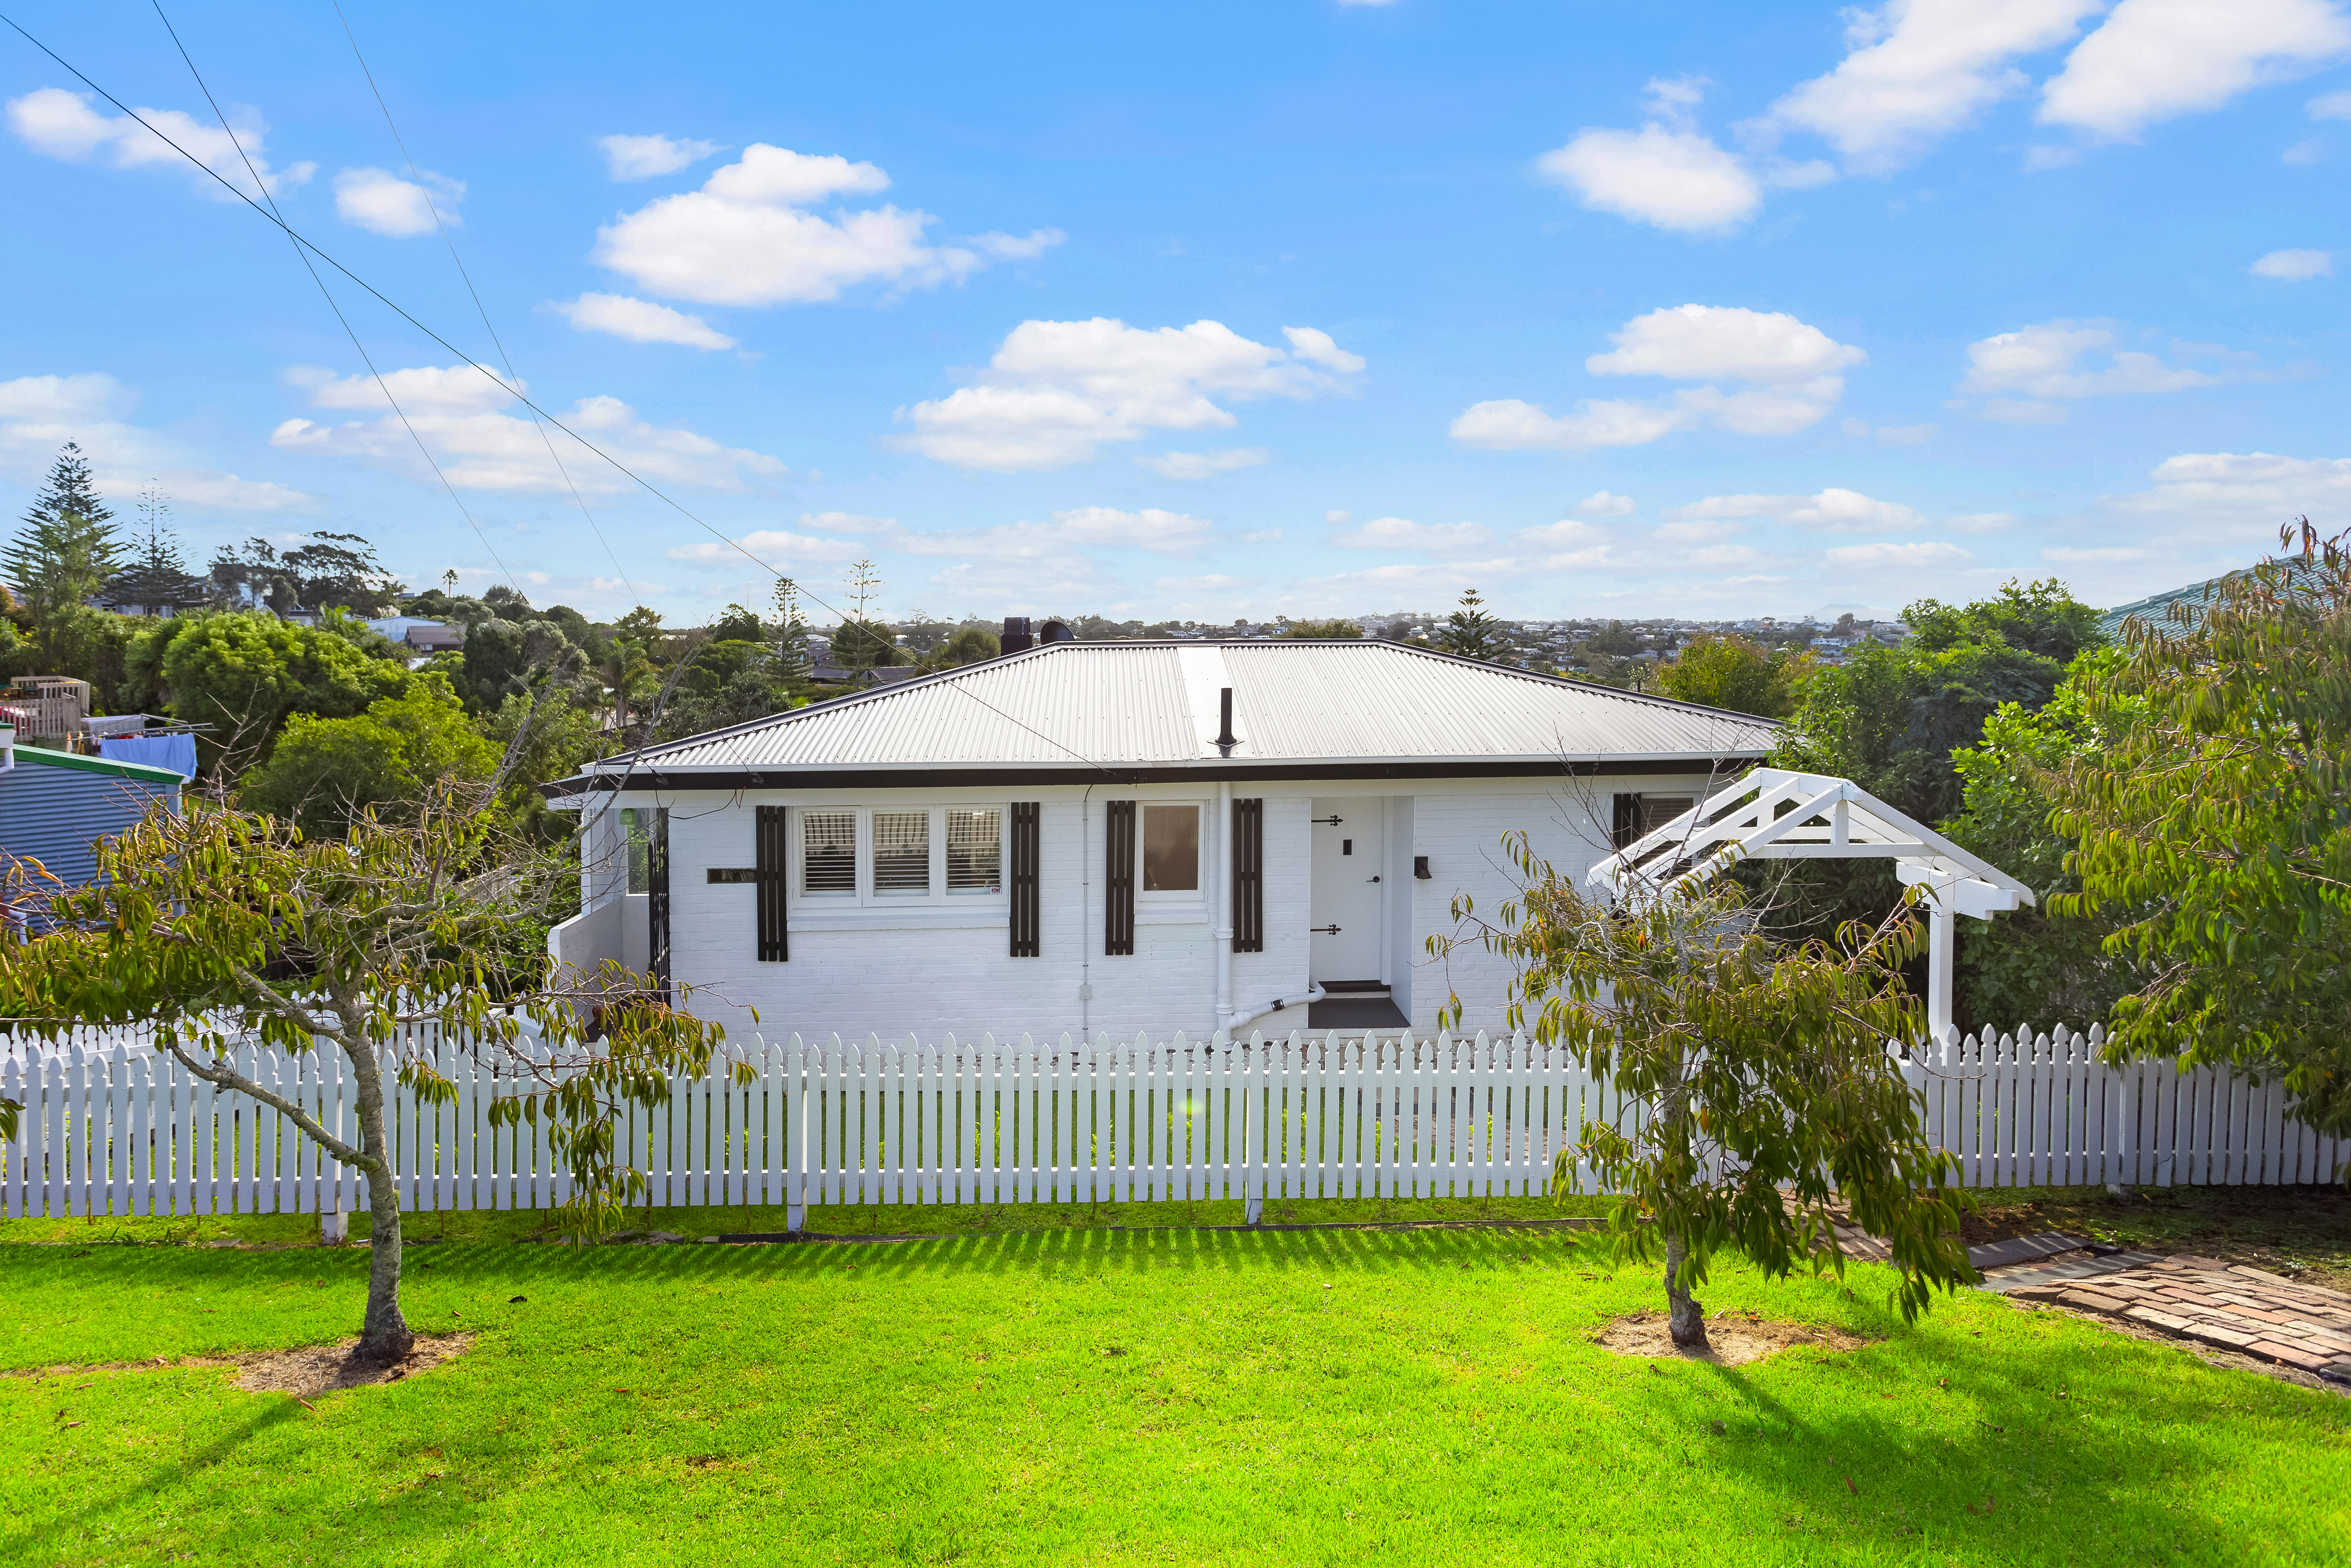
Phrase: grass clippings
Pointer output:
(1732, 1340)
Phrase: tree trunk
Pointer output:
(1689, 1313)
(384, 1336)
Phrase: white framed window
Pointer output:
(898, 856)
(1167, 846)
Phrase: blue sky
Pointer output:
(1286, 306)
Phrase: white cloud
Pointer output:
(456, 411)
(745, 239)
(1673, 179)
(1918, 69)
(1203, 464)
(1832, 511)
(1160, 532)
(1316, 347)
(63, 125)
(643, 157)
(775, 547)
(640, 321)
(2216, 497)
(1701, 342)
(423, 389)
(2044, 361)
(380, 202)
(2333, 106)
(2304, 153)
(2155, 59)
(1890, 434)
(1403, 533)
(1507, 424)
(2067, 555)
(1568, 533)
(848, 523)
(40, 413)
(2294, 265)
(1601, 504)
(1792, 365)
(1982, 522)
(1056, 391)
(2040, 159)
(1214, 582)
(1932, 552)
(2019, 411)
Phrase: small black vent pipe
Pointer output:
(1226, 738)
(1017, 638)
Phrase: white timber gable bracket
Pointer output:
(1776, 814)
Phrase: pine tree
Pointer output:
(156, 579)
(792, 665)
(1472, 634)
(68, 544)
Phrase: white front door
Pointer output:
(1349, 861)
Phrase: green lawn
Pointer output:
(1112, 1395)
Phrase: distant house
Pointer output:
(55, 806)
(424, 636)
(2156, 609)
(1121, 835)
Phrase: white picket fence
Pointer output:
(120, 1130)
(2040, 1110)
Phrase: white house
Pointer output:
(1121, 835)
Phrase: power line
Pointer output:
(304, 244)
(259, 184)
(504, 358)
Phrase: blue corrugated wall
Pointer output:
(54, 814)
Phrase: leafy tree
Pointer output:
(243, 672)
(2213, 827)
(1471, 632)
(1765, 1095)
(328, 570)
(2042, 618)
(68, 546)
(325, 775)
(217, 926)
(544, 735)
(970, 646)
(2035, 966)
(1614, 641)
(737, 624)
(1323, 629)
(1729, 672)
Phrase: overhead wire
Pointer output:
(513, 390)
(332, 304)
(504, 358)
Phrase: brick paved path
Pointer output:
(2236, 1308)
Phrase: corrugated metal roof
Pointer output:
(56, 812)
(1142, 703)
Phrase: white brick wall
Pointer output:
(1461, 831)
(961, 978)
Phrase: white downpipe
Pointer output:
(1220, 911)
(1247, 1011)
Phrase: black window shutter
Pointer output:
(1025, 942)
(768, 849)
(1118, 876)
(1249, 876)
(1628, 826)
(657, 899)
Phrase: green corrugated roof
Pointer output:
(74, 759)
(2154, 610)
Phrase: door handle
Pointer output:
(1375, 879)
(1325, 930)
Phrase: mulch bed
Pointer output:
(1734, 1339)
(304, 1372)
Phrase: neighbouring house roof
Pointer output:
(1152, 710)
(2155, 608)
